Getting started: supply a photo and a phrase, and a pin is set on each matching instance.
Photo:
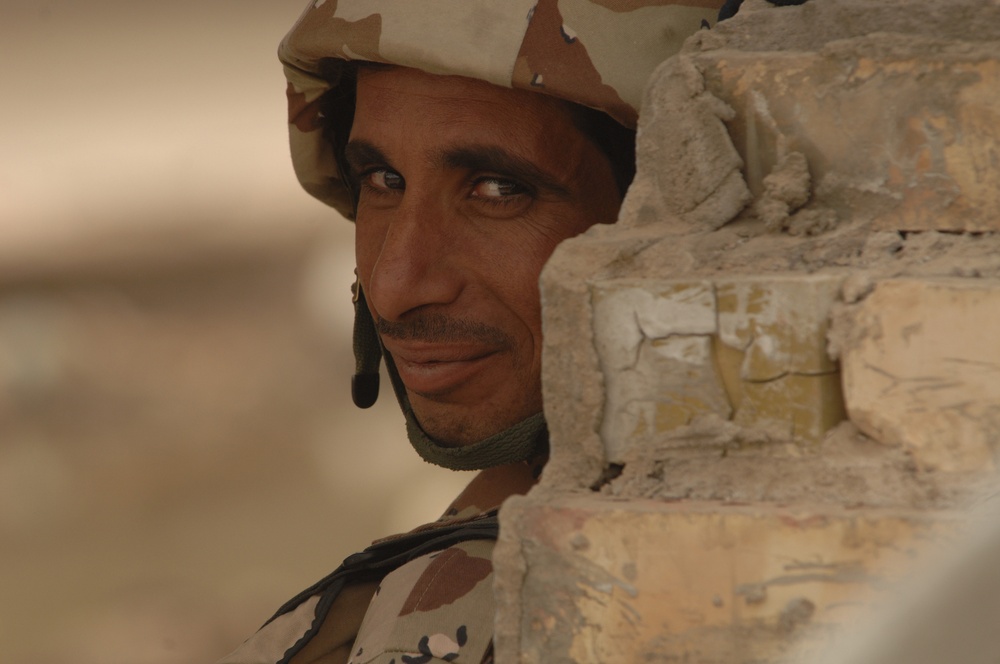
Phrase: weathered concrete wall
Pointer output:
(775, 382)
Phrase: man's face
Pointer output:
(465, 190)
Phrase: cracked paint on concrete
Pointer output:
(750, 349)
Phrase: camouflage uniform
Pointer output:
(427, 596)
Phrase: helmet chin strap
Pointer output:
(524, 441)
(367, 352)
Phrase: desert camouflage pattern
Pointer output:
(597, 53)
(425, 596)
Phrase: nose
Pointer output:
(415, 262)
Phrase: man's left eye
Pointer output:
(497, 188)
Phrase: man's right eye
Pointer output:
(382, 180)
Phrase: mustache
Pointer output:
(441, 328)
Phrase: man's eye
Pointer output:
(497, 188)
(382, 179)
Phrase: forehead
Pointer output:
(400, 100)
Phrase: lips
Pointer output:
(435, 369)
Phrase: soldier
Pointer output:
(466, 139)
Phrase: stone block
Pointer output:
(654, 340)
(751, 349)
(905, 130)
(772, 349)
(779, 322)
(587, 579)
(795, 406)
(921, 368)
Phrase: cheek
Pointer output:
(516, 272)
(368, 238)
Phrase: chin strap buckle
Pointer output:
(364, 389)
(367, 352)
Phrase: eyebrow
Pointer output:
(359, 153)
(502, 162)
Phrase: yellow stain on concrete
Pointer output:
(689, 579)
(752, 349)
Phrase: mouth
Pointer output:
(431, 370)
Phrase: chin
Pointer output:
(452, 431)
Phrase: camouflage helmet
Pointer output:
(596, 53)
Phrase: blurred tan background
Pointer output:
(178, 450)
